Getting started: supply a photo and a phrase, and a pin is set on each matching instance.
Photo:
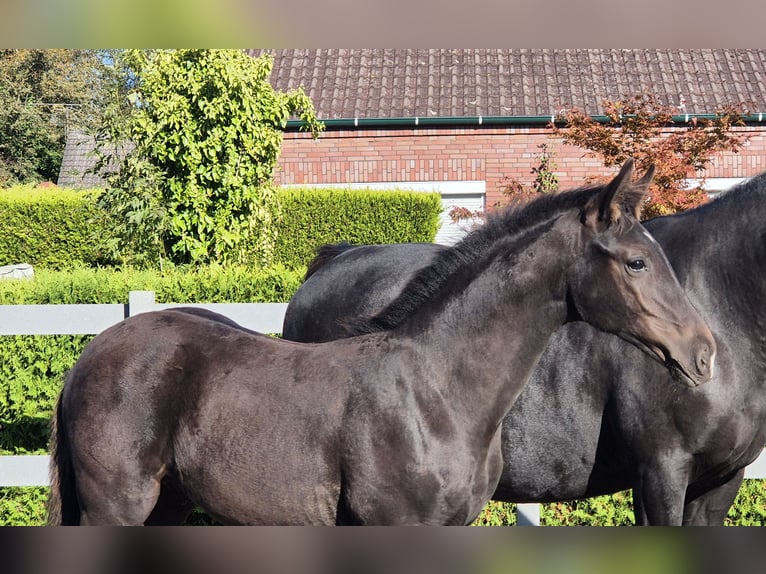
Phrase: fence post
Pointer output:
(140, 302)
(528, 514)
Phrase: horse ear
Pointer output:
(610, 200)
(634, 200)
(619, 196)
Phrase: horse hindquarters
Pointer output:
(62, 506)
(87, 495)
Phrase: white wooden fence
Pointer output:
(32, 470)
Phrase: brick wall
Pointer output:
(484, 153)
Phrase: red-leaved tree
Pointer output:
(642, 127)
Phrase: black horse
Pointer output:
(596, 417)
(167, 409)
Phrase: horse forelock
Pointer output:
(502, 225)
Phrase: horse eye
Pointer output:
(636, 265)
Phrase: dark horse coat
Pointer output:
(170, 408)
(596, 416)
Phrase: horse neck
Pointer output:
(491, 334)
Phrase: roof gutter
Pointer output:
(463, 121)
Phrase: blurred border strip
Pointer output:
(373, 24)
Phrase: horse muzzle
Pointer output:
(691, 364)
(699, 369)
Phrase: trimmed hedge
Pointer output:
(32, 368)
(48, 227)
(57, 227)
(311, 217)
(749, 509)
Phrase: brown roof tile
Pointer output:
(378, 83)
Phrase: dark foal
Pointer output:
(398, 426)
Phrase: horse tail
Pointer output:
(326, 253)
(62, 508)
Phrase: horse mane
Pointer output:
(507, 224)
(324, 254)
(754, 189)
(744, 201)
(741, 207)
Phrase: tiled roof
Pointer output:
(446, 83)
(383, 83)
(78, 161)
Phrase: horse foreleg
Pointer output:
(710, 508)
(659, 494)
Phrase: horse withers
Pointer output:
(170, 409)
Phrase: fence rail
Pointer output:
(32, 470)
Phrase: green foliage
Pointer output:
(497, 514)
(749, 508)
(49, 227)
(32, 368)
(26, 506)
(61, 228)
(611, 510)
(312, 217)
(546, 180)
(42, 93)
(213, 284)
(23, 506)
(207, 129)
(32, 371)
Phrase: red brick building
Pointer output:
(461, 121)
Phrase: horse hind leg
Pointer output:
(172, 507)
(125, 499)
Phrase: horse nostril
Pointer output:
(704, 361)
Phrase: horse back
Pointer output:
(348, 282)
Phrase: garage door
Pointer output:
(451, 232)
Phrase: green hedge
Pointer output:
(311, 217)
(749, 509)
(26, 506)
(32, 367)
(32, 370)
(47, 227)
(54, 227)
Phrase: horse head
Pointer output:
(652, 311)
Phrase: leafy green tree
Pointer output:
(42, 94)
(206, 129)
